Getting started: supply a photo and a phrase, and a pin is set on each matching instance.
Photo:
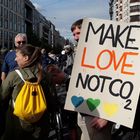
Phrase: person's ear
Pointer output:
(26, 58)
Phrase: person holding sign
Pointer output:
(93, 128)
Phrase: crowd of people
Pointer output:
(26, 58)
(55, 71)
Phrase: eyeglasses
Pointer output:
(23, 42)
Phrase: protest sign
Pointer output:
(106, 73)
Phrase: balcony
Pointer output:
(135, 8)
(132, 1)
(135, 18)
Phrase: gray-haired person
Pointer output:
(9, 62)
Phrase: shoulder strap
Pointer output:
(39, 74)
(20, 75)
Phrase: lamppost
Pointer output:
(111, 9)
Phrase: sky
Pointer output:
(62, 13)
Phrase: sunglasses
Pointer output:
(23, 42)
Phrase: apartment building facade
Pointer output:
(125, 10)
(11, 21)
(21, 16)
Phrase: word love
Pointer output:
(118, 64)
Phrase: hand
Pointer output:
(98, 123)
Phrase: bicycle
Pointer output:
(56, 121)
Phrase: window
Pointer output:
(11, 4)
(5, 18)
(6, 3)
(120, 8)
(1, 21)
(131, 1)
(120, 16)
(1, 11)
(1, 1)
(1, 16)
(11, 21)
(19, 24)
(135, 18)
(15, 23)
(135, 8)
(6, 42)
(1, 35)
(11, 40)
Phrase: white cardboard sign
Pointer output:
(105, 80)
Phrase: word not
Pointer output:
(94, 83)
(100, 84)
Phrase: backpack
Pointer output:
(30, 103)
